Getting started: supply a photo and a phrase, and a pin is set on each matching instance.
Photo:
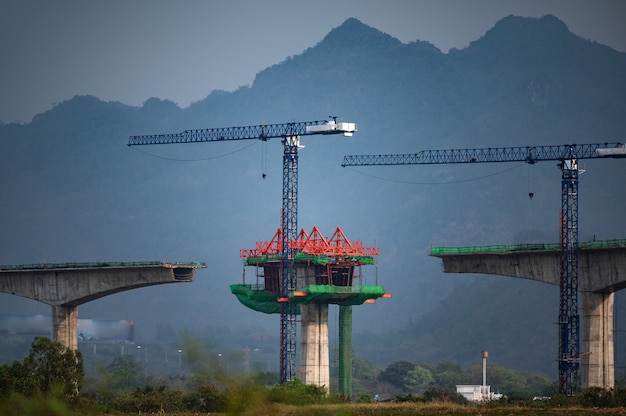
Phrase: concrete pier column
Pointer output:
(314, 345)
(64, 324)
(598, 358)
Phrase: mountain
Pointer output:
(73, 190)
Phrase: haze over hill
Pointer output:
(75, 192)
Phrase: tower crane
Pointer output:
(290, 134)
(567, 157)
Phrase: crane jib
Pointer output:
(528, 154)
(260, 132)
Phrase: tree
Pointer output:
(49, 365)
(447, 374)
(396, 373)
(362, 369)
(124, 374)
(418, 378)
(6, 380)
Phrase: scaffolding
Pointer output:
(328, 272)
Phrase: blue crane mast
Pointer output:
(567, 157)
(290, 134)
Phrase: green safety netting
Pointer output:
(256, 298)
(369, 260)
(339, 295)
(437, 251)
(345, 350)
(305, 257)
(259, 260)
(321, 260)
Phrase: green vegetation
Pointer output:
(48, 380)
(423, 379)
(50, 369)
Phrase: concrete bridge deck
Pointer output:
(65, 286)
(601, 272)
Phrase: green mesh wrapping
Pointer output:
(339, 295)
(345, 351)
(255, 298)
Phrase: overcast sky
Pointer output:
(129, 51)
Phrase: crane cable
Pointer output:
(437, 183)
(263, 160)
(193, 160)
(531, 180)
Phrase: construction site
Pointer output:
(328, 272)
(299, 274)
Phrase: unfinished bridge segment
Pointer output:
(602, 272)
(65, 286)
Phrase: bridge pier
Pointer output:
(314, 354)
(597, 363)
(64, 323)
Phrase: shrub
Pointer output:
(409, 398)
(364, 398)
(298, 393)
(601, 397)
(438, 394)
(149, 400)
(207, 399)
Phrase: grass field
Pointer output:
(422, 409)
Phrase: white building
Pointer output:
(477, 393)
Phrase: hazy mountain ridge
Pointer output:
(77, 192)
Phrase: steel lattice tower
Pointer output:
(289, 225)
(569, 318)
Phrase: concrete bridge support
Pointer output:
(314, 353)
(601, 272)
(66, 286)
(597, 355)
(64, 323)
